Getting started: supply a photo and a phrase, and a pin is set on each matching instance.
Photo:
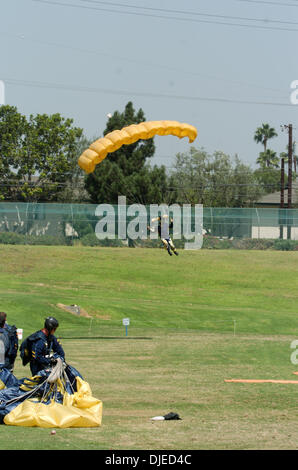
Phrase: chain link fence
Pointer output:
(71, 224)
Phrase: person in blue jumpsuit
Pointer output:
(13, 342)
(44, 346)
(11, 330)
(4, 343)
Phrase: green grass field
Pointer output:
(195, 320)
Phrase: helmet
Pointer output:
(51, 323)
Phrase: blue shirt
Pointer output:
(41, 348)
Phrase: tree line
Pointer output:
(38, 163)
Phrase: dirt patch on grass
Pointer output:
(74, 310)
(81, 312)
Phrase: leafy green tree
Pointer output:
(212, 180)
(51, 149)
(37, 155)
(126, 172)
(12, 128)
(269, 179)
(74, 188)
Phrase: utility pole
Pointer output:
(289, 129)
(290, 159)
(290, 154)
(282, 184)
(282, 198)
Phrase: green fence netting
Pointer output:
(62, 224)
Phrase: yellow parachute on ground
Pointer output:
(77, 410)
(99, 149)
(58, 397)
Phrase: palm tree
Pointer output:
(268, 159)
(263, 134)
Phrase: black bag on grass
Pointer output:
(172, 416)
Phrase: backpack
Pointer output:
(26, 347)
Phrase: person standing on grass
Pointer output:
(44, 344)
(13, 342)
(4, 343)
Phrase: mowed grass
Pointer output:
(196, 320)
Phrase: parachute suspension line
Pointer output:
(48, 391)
(55, 375)
(25, 395)
(68, 381)
(56, 372)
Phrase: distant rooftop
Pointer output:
(273, 199)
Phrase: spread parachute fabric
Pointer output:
(7, 379)
(99, 149)
(59, 398)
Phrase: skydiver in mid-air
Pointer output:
(164, 234)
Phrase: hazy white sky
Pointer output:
(224, 66)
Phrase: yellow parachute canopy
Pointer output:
(79, 409)
(58, 398)
(99, 149)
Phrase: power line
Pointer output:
(260, 173)
(143, 94)
(136, 61)
(214, 187)
(265, 2)
(183, 12)
(226, 172)
(193, 20)
(49, 182)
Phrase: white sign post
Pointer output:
(126, 323)
(2, 92)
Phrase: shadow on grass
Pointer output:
(106, 337)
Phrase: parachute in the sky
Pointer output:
(99, 149)
(57, 398)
